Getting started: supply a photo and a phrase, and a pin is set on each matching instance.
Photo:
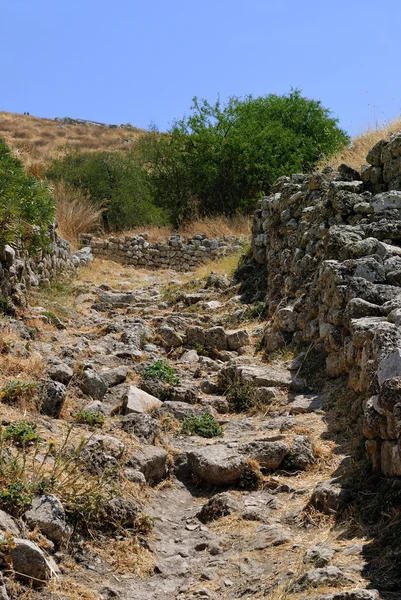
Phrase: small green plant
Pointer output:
(6, 306)
(90, 417)
(252, 478)
(16, 391)
(205, 426)
(241, 397)
(290, 461)
(22, 433)
(202, 350)
(163, 371)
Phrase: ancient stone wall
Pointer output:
(176, 253)
(331, 242)
(19, 271)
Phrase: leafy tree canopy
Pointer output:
(219, 158)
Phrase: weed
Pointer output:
(90, 417)
(205, 426)
(169, 424)
(252, 478)
(163, 371)
(290, 461)
(6, 306)
(22, 433)
(145, 523)
(241, 397)
(17, 391)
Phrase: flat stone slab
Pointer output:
(305, 404)
(138, 401)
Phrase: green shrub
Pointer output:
(220, 158)
(205, 426)
(90, 417)
(163, 371)
(22, 433)
(26, 204)
(115, 182)
(241, 397)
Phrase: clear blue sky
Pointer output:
(119, 61)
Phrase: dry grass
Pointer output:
(239, 226)
(76, 213)
(37, 140)
(125, 556)
(355, 155)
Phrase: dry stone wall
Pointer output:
(176, 253)
(19, 271)
(331, 242)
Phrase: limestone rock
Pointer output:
(47, 514)
(53, 396)
(219, 505)
(113, 377)
(143, 426)
(217, 464)
(29, 562)
(170, 338)
(151, 461)
(93, 385)
(302, 451)
(269, 454)
(138, 401)
(237, 339)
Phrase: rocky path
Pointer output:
(246, 514)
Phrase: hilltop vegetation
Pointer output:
(218, 160)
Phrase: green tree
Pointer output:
(26, 204)
(221, 157)
(114, 177)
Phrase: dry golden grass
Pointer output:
(36, 140)
(219, 225)
(125, 556)
(76, 213)
(355, 155)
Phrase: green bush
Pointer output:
(112, 179)
(90, 417)
(163, 371)
(241, 397)
(205, 426)
(22, 433)
(220, 158)
(26, 205)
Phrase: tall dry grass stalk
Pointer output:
(76, 212)
(355, 155)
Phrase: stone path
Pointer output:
(276, 540)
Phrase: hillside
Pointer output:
(35, 139)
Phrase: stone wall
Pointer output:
(331, 243)
(19, 271)
(176, 253)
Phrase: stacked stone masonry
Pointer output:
(19, 271)
(332, 245)
(176, 253)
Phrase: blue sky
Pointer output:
(119, 61)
